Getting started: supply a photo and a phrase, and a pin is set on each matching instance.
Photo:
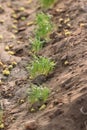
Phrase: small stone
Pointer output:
(11, 52)
(42, 107)
(23, 18)
(1, 21)
(1, 37)
(67, 20)
(14, 63)
(21, 9)
(32, 110)
(31, 125)
(30, 23)
(6, 72)
(10, 67)
(7, 48)
(67, 32)
(61, 20)
(1, 126)
(66, 63)
(14, 27)
(14, 16)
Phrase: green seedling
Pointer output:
(40, 65)
(47, 3)
(1, 119)
(44, 25)
(38, 94)
(37, 45)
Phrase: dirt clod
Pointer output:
(31, 125)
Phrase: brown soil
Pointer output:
(67, 105)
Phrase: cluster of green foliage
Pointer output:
(38, 93)
(44, 25)
(40, 65)
(43, 29)
(37, 45)
(47, 3)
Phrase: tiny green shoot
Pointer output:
(44, 25)
(47, 3)
(40, 65)
(37, 45)
(37, 94)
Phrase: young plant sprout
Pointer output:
(40, 65)
(44, 25)
(47, 3)
(37, 45)
(38, 93)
